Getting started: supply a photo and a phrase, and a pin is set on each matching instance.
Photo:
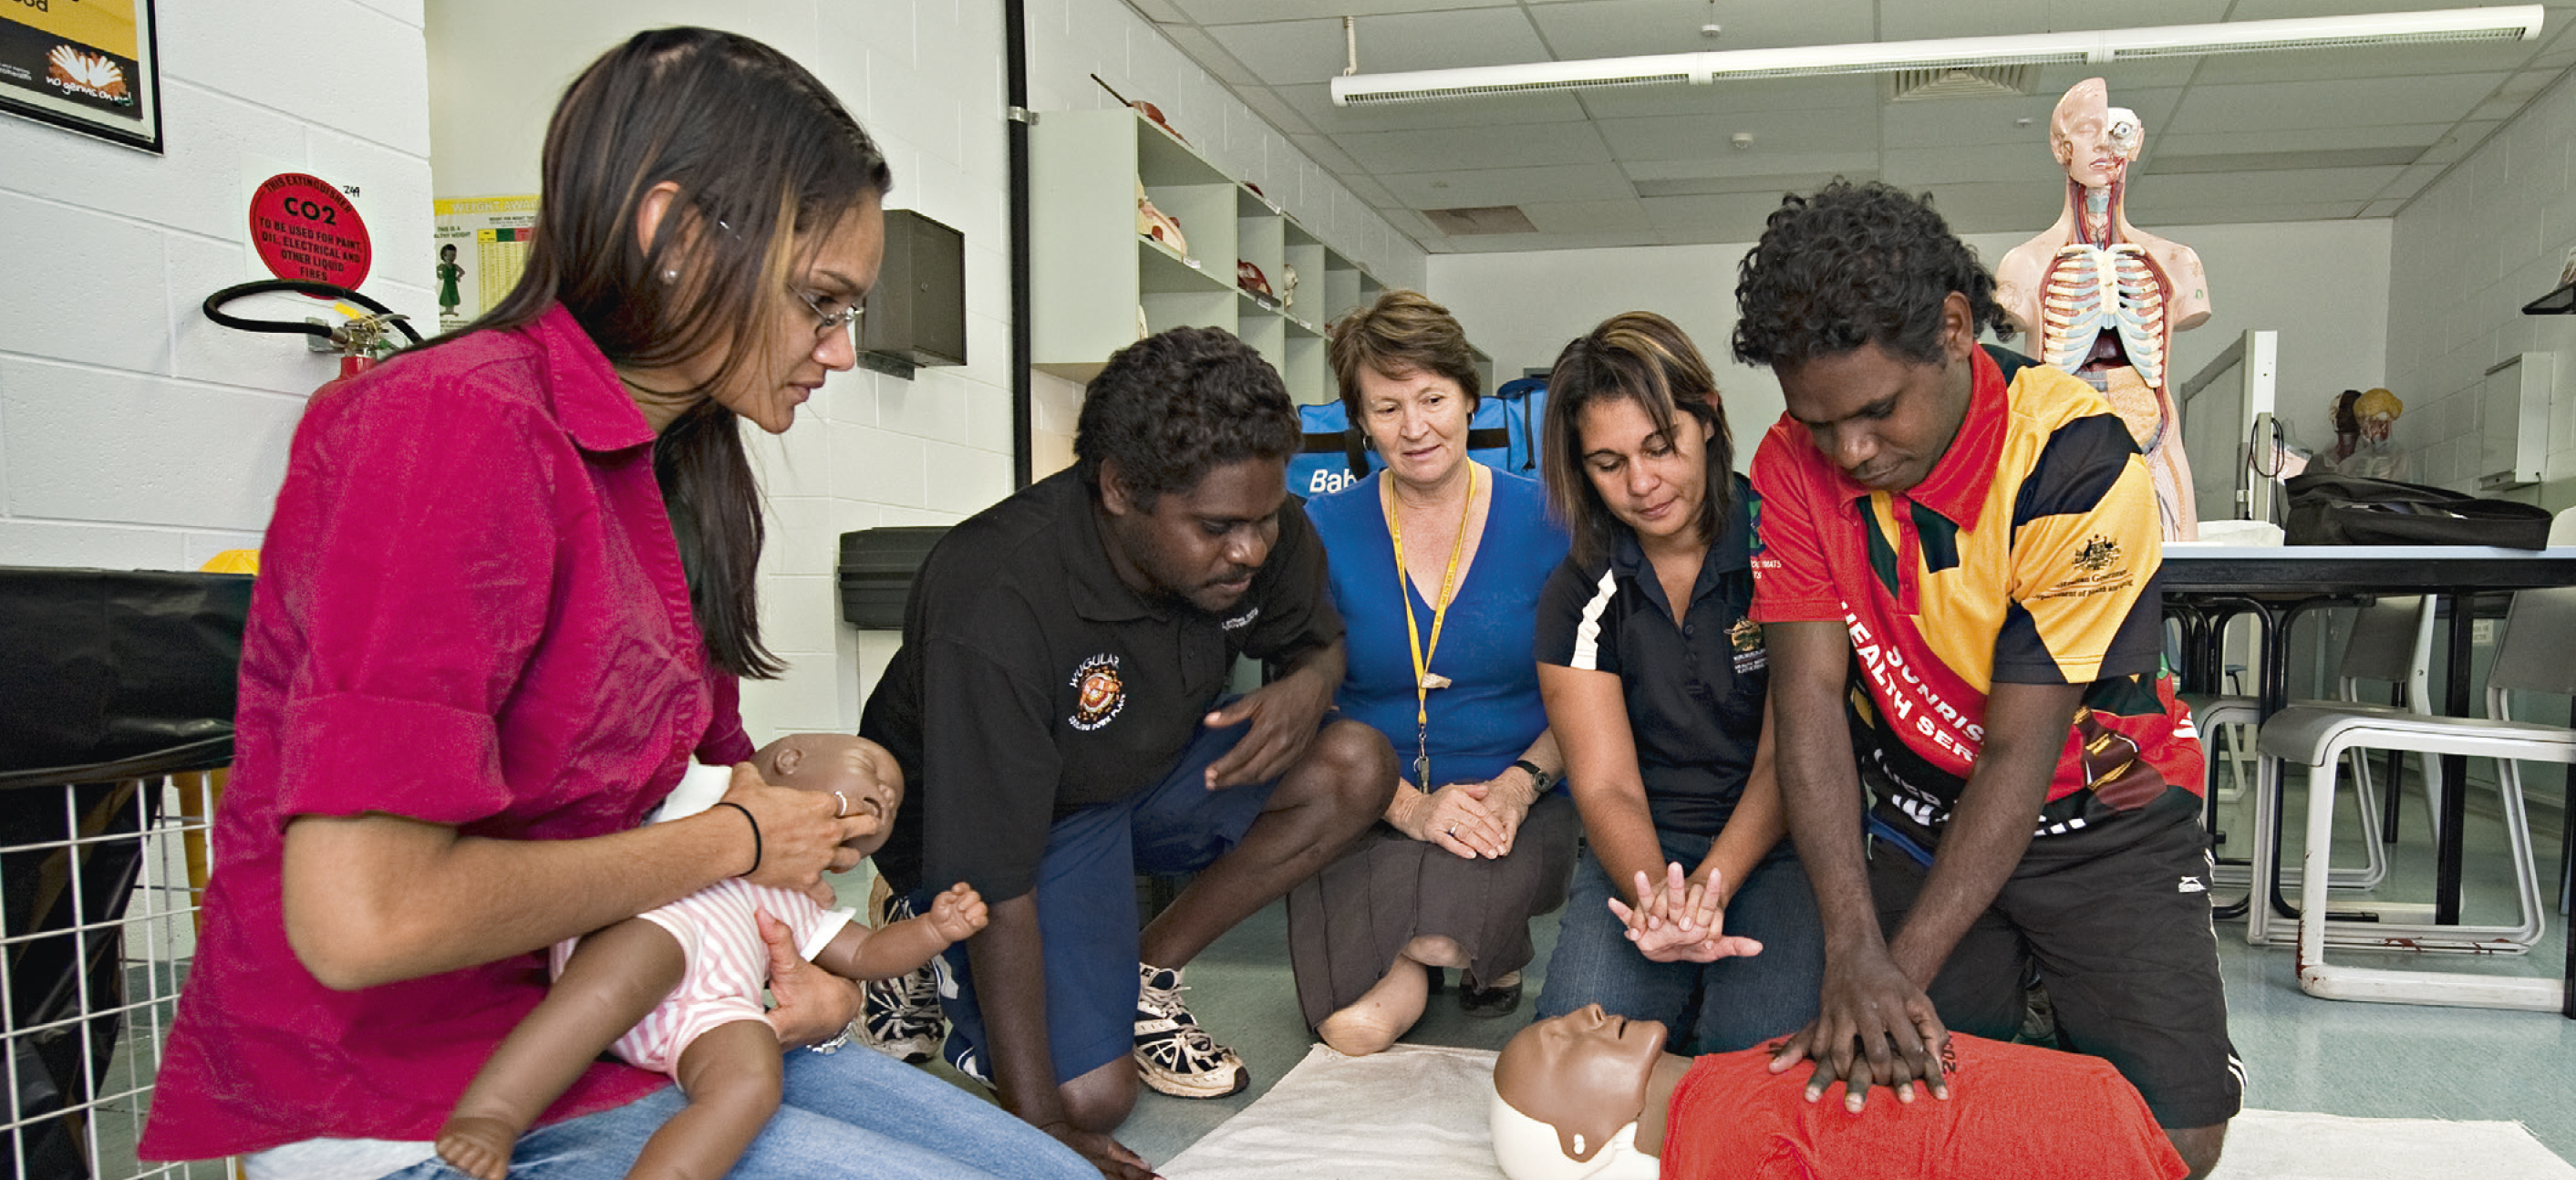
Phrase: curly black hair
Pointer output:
(1176, 405)
(1856, 264)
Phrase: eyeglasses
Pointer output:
(832, 321)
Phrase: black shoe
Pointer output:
(1487, 1002)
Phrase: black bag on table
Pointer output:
(2331, 509)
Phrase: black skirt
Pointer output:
(1347, 923)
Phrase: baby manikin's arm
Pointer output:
(860, 953)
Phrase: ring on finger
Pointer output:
(845, 805)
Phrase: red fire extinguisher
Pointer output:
(360, 342)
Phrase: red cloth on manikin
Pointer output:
(2013, 1111)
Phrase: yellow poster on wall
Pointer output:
(482, 245)
(87, 65)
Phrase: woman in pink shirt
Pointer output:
(505, 598)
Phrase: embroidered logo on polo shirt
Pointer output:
(1750, 654)
(2099, 569)
(1099, 693)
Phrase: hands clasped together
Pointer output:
(1683, 922)
(1469, 820)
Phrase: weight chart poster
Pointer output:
(84, 65)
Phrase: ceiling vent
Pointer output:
(1959, 82)
(1482, 219)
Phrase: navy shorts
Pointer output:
(1086, 896)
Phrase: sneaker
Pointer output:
(900, 1017)
(1173, 1054)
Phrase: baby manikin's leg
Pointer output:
(613, 979)
(731, 1074)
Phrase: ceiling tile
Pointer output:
(1740, 213)
(1161, 12)
(2382, 61)
(2458, 142)
(1801, 133)
(1772, 184)
(2155, 74)
(1210, 56)
(1629, 28)
(1507, 186)
(1967, 122)
(1722, 98)
(1329, 154)
(1923, 19)
(2384, 208)
(1477, 147)
(1754, 165)
(2273, 106)
(1314, 102)
(1287, 52)
(1917, 167)
(1584, 217)
(1237, 12)
(2414, 135)
(2411, 181)
(2170, 194)
(1266, 103)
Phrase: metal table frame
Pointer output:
(2279, 583)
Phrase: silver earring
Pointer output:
(672, 275)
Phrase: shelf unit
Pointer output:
(1093, 272)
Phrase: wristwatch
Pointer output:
(1540, 780)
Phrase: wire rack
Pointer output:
(99, 888)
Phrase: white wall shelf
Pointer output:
(1085, 168)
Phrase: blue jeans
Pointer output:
(855, 1114)
(1086, 891)
(1715, 1007)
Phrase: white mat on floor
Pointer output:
(1419, 1111)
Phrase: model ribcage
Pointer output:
(2096, 289)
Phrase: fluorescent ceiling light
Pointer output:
(2095, 47)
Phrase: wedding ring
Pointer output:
(1453, 831)
(845, 805)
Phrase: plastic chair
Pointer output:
(2391, 642)
(2538, 655)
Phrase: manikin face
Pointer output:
(1584, 1073)
(1653, 481)
(1200, 545)
(1884, 419)
(2094, 141)
(866, 778)
(1417, 421)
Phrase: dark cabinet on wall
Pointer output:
(917, 313)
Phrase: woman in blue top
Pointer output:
(1475, 843)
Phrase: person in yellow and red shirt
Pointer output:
(1958, 585)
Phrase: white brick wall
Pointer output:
(2482, 241)
(133, 433)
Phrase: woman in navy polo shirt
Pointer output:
(1687, 904)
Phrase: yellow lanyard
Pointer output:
(1439, 616)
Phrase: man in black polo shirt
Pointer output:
(1056, 701)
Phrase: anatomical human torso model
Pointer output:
(2102, 299)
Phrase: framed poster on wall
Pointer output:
(87, 65)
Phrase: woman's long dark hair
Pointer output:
(763, 156)
(1641, 357)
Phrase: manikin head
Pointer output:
(859, 771)
(2376, 414)
(2095, 142)
(1568, 1095)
